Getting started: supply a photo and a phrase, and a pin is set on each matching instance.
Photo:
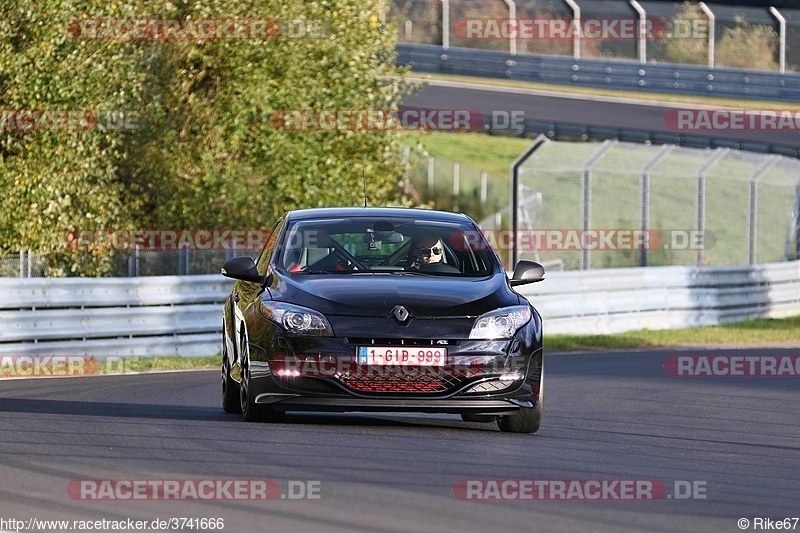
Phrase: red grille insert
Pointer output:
(399, 383)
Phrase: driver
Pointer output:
(428, 251)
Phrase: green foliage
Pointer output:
(204, 153)
(742, 46)
(693, 50)
(748, 46)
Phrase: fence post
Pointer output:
(30, 262)
(586, 194)
(642, 51)
(701, 199)
(21, 263)
(445, 24)
(484, 187)
(512, 15)
(782, 46)
(431, 172)
(406, 163)
(645, 188)
(577, 30)
(712, 21)
(753, 209)
(456, 184)
(516, 171)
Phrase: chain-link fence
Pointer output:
(615, 204)
(678, 32)
(452, 186)
(29, 264)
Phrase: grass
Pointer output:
(152, 364)
(758, 332)
(754, 333)
(493, 154)
(633, 95)
(555, 172)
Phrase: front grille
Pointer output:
(365, 341)
(492, 385)
(403, 382)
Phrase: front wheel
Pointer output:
(251, 411)
(527, 419)
(231, 402)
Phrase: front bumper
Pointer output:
(454, 406)
(323, 373)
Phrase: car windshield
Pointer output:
(359, 245)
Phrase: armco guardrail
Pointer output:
(169, 315)
(104, 317)
(570, 131)
(616, 300)
(612, 74)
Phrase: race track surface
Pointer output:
(608, 416)
(578, 109)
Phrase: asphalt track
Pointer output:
(576, 109)
(608, 416)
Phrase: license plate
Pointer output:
(401, 356)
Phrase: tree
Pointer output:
(201, 149)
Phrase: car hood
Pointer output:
(375, 295)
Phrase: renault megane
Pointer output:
(382, 309)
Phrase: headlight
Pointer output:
(297, 320)
(500, 324)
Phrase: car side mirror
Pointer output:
(527, 272)
(243, 268)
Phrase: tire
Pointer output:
(251, 411)
(483, 419)
(527, 419)
(231, 402)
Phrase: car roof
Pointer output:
(419, 214)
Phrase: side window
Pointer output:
(269, 247)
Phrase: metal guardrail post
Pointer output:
(701, 197)
(586, 193)
(642, 51)
(660, 155)
(712, 21)
(782, 28)
(753, 210)
(515, 174)
(576, 35)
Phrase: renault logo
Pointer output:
(400, 313)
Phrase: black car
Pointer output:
(381, 309)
